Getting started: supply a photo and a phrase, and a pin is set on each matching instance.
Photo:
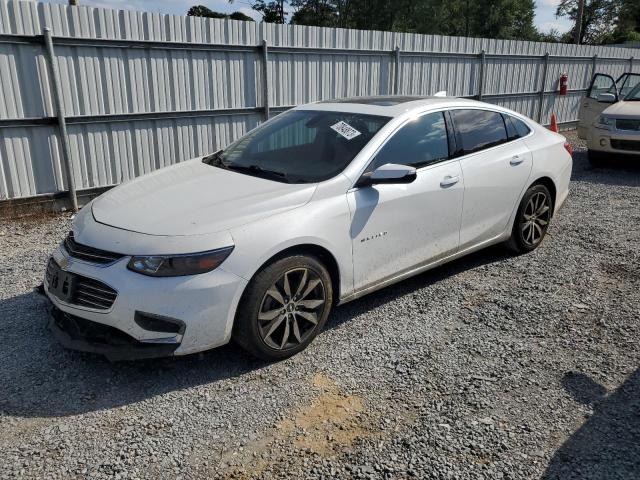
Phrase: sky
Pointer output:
(545, 18)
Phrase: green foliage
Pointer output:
(477, 18)
(202, 11)
(605, 21)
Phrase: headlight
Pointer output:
(178, 265)
(606, 122)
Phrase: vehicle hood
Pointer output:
(623, 109)
(193, 198)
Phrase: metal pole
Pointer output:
(62, 124)
(481, 74)
(594, 62)
(543, 85)
(265, 78)
(396, 74)
(630, 64)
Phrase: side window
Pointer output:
(479, 129)
(418, 143)
(515, 128)
(601, 83)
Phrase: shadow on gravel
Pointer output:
(343, 314)
(608, 443)
(40, 379)
(617, 171)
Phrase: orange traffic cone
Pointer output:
(554, 123)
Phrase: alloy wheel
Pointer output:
(291, 309)
(535, 218)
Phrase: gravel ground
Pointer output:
(490, 367)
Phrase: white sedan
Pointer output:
(316, 207)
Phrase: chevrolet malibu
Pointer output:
(316, 207)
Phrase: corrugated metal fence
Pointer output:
(143, 90)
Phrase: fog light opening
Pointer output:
(603, 142)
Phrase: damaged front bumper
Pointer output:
(77, 333)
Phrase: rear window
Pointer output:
(479, 129)
(515, 128)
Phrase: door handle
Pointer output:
(516, 160)
(449, 181)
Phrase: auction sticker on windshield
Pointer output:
(346, 130)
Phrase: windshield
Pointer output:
(300, 146)
(633, 95)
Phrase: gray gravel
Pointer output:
(491, 367)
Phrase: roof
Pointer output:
(384, 105)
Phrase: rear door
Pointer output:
(591, 108)
(496, 164)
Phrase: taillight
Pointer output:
(568, 148)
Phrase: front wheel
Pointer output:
(532, 219)
(284, 307)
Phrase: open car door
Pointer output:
(591, 108)
(627, 82)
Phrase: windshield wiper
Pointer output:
(215, 160)
(257, 170)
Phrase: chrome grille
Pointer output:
(89, 254)
(93, 294)
(87, 292)
(630, 124)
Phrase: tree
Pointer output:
(628, 24)
(319, 13)
(241, 16)
(272, 12)
(202, 11)
(598, 18)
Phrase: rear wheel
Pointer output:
(284, 307)
(532, 219)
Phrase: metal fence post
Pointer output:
(62, 124)
(543, 85)
(594, 62)
(265, 78)
(481, 74)
(396, 74)
(630, 64)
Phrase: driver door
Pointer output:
(591, 108)
(396, 228)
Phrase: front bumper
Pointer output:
(204, 303)
(616, 142)
(84, 335)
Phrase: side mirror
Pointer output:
(388, 173)
(607, 98)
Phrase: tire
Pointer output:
(532, 220)
(596, 159)
(293, 295)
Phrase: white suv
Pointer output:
(318, 206)
(609, 117)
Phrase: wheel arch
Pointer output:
(321, 253)
(551, 186)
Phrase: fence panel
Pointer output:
(144, 90)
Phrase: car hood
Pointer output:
(623, 109)
(193, 198)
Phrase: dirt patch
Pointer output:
(328, 425)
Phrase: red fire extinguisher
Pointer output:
(564, 83)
